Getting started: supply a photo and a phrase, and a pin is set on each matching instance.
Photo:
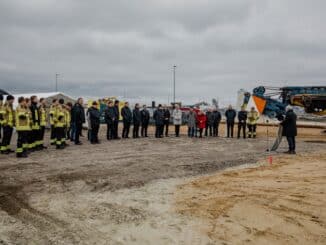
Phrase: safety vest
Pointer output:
(52, 114)
(60, 117)
(2, 114)
(68, 118)
(42, 113)
(22, 119)
(253, 117)
(35, 124)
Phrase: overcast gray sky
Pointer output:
(117, 47)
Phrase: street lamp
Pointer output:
(56, 82)
(174, 67)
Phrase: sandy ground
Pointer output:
(142, 192)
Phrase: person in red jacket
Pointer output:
(201, 122)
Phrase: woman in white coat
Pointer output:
(177, 119)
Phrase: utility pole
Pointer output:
(174, 67)
(56, 82)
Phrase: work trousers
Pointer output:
(94, 134)
(41, 138)
(230, 127)
(291, 142)
(215, 130)
(110, 131)
(177, 130)
(209, 129)
(60, 137)
(7, 134)
(191, 131)
(116, 128)
(252, 130)
(126, 129)
(52, 137)
(135, 131)
(242, 126)
(166, 127)
(159, 131)
(79, 127)
(22, 143)
(144, 128)
(0, 130)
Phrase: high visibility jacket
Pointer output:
(8, 116)
(67, 118)
(52, 114)
(253, 117)
(22, 119)
(59, 117)
(2, 114)
(43, 117)
(35, 117)
(29, 112)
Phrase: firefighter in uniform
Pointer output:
(67, 109)
(52, 114)
(253, 117)
(8, 123)
(22, 127)
(2, 111)
(43, 121)
(59, 124)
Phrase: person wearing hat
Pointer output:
(94, 122)
(59, 124)
(2, 112)
(290, 128)
(242, 120)
(8, 123)
(253, 117)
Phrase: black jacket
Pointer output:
(290, 124)
(230, 115)
(116, 113)
(78, 114)
(217, 117)
(109, 115)
(166, 114)
(159, 117)
(126, 114)
(242, 116)
(210, 118)
(136, 117)
(94, 117)
(144, 116)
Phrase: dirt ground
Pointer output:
(142, 192)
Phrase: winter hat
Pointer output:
(10, 97)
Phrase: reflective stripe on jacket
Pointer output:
(22, 119)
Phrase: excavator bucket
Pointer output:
(260, 103)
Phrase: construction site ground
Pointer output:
(167, 191)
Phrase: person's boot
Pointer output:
(287, 152)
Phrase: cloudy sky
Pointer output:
(128, 47)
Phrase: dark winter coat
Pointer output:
(116, 112)
(78, 114)
(242, 116)
(166, 114)
(35, 114)
(290, 124)
(136, 117)
(144, 116)
(126, 114)
(159, 117)
(210, 118)
(109, 115)
(230, 115)
(94, 117)
(217, 117)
